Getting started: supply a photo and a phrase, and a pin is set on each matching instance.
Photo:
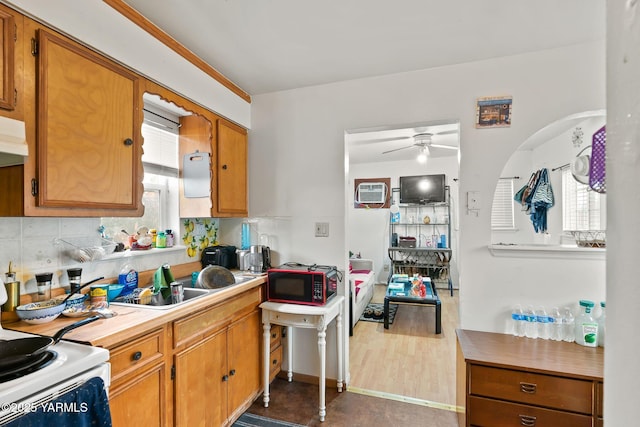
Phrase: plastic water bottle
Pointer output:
(531, 328)
(544, 327)
(517, 321)
(556, 325)
(586, 325)
(246, 236)
(601, 324)
(568, 326)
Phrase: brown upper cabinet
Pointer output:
(232, 170)
(88, 138)
(83, 114)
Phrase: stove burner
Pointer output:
(32, 364)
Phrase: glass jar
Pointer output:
(161, 240)
(43, 282)
(75, 279)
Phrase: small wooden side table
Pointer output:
(303, 316)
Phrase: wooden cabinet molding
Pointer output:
(8, 30)
(135, 17)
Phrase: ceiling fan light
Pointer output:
(422, 155)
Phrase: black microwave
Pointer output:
(302, 284)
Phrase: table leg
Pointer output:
(386, 313)
(339, 334)
(290, 353)
(322, 351)
(266, 348)
(438, 317)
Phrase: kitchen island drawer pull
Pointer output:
(528, 388)
(527, 420)
(136, 356)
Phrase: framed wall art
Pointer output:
(493, 112)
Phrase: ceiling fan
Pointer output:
(424, 141)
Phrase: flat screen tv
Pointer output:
(422, 189)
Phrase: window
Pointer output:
(502, 208)
(582, 208)
(160, 197)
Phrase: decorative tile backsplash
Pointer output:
(198, 233)
(29, 244)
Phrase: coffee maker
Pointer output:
(258, 259)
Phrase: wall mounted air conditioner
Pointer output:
(371, 192)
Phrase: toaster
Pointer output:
(224, 256)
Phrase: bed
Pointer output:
(361, 281)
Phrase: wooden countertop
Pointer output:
(544, 356)
(131, 321)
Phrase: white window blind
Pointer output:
(160, 151)
(502, 208)
(581, 207)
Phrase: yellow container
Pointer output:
(98, 295)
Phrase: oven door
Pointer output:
(83, 397)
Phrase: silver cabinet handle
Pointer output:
(528, 388)
(527, 420)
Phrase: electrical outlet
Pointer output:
(322, 229)
(385, 267)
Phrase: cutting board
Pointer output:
(196, 174)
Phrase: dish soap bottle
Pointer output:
(129, 278)
(586, 326)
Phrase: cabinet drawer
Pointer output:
(534, 389)
(276, 336)
(135, 354)
(493, 413)
(198, 326)
(275, 363)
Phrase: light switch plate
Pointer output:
(322, 229)
(473, 200)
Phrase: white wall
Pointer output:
(297, 169)
(368, 229)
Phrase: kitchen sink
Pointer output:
(190, 294)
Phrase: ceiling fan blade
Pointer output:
(377, 140)
(397, 149)
(443, 146)
(447, 132)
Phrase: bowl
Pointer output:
(77, 300)
(114, 291)
(40, 312)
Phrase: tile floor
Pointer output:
(297, 402)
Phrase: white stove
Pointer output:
(72, 366)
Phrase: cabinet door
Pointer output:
(140, 401)
(244, 360)
(201, 383)
(88, 136)
(195, 135)
(232, 170)
(7, 65)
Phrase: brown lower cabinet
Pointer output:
(138, 381)
(512, 381)
(199, 370)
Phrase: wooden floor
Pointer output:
(409, 359)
